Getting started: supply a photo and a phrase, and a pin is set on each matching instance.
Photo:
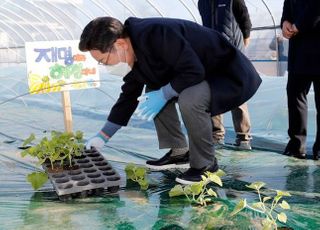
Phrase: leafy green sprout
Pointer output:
(37, 179)
(265, 207)
(61, 147)
(137, 174)
(199, 192)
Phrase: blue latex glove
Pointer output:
(150, 104)
(97, 141)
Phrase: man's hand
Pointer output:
(97, 141)
(288, 30)
(151, 104)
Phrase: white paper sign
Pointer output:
(55, 66)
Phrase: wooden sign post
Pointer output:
(67, 111)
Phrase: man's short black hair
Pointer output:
(101, 33)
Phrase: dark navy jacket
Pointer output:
(184, 54)
(229, 17)
(304, 48)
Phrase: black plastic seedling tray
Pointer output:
(90, 174)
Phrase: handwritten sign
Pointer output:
(55, 66)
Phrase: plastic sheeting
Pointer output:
(33, 20)
(131, 208)
(22, 114)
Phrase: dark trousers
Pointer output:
(298, 87)
(194, 104)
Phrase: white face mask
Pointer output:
(120, 69)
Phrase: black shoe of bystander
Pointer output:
(296, 155)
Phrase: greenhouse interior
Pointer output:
(252, 186)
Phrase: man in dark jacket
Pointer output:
(231, 19)
(301, 25)
(178, 61)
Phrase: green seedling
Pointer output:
(37, 179)
(199, 193)
(137, 174)
(60, 148)
(267, 205)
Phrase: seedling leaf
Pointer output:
(284, 205)
(215, 179)
(130, 167)
(267, 224)
(283, 193)
(256, 185)
(220, 173)
(140, 172)
(212, 193)
(266, 199)
(31, 138)
(37, 179)
(258, 205)
(176, 191)
(196, 188)
(241, 205)
(144, 184)
(282, 217)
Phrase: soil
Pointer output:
(59, 168)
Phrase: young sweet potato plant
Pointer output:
(61, 147)
(57, 152)
(270, 207)
(137, 174)
(199, 193)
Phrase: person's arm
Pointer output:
(286, 20)
(241, 14)
(286, 13)
(101, 138)
(120, 113)
(309, 21)
(127, 102)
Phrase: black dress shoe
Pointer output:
(296, 155)
(316, 155)
(193, 175)
(170, 162)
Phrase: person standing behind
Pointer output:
(300, 24)
(231, 19)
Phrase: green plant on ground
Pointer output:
(137, 174)
(267, 205)
(37, 179)
(62, 147)
(217, 216)
(199, 193)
